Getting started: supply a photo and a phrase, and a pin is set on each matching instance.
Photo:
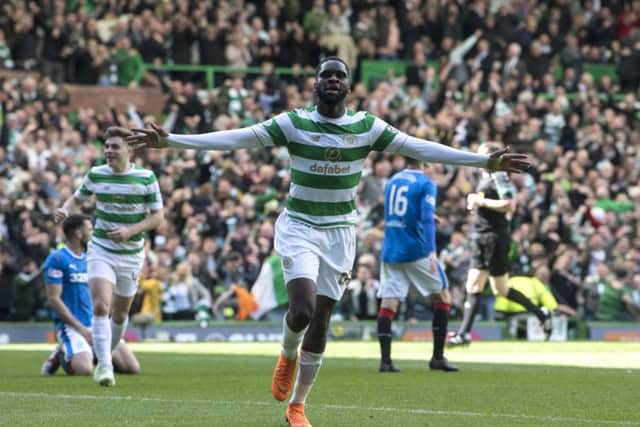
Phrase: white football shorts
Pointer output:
(121, 270)
(395, 278)
(71, 340)
(324, 255)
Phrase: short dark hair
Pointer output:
(72, 223)
(333, 58)
(117, 131)
(410, 161)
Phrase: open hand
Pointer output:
(86, 333)
(149, 138)
(119, 234)
(59, 215)
(504, 160)
(473, 200)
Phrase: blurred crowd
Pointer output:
(577, 222)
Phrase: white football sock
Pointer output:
(117, 331)
(102, 340)
(290, 340)
(307, 373)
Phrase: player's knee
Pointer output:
(500, 285)
(119, 317)
(386, 313)
(390, 303)
(100, 308)
(476, 287)
(440, 298)
(501, 291)
(132, 368)
(300, 316)
(83, 368)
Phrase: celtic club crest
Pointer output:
(332, 154)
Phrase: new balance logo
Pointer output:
(73, 267)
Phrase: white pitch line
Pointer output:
(550, 418)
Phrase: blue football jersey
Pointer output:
(409, 213)
(64, 268)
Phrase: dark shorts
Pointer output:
(490, 251)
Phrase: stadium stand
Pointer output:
(556, 79)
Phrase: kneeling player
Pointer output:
(76, 358)
(409, 258)
(72, 309)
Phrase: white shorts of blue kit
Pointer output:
(395, 278)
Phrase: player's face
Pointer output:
(116, 151)
(87, 229)
(332, 82)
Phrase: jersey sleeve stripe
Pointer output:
(321, 153)
(120, 218)
(319, 181)
(276, 134)
(320, 208)
(309, 125)
(383, 140)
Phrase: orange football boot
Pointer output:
(295, 415)
(282, 381)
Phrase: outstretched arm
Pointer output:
(434, 152)
(499, 205)
(156, 137)
(222, 140)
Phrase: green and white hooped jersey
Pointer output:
(122, 199)
(327, 156)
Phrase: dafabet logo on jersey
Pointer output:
(328, 169)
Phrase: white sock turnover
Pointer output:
(290, 340)
(307, 373)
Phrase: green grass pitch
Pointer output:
(228, 384)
